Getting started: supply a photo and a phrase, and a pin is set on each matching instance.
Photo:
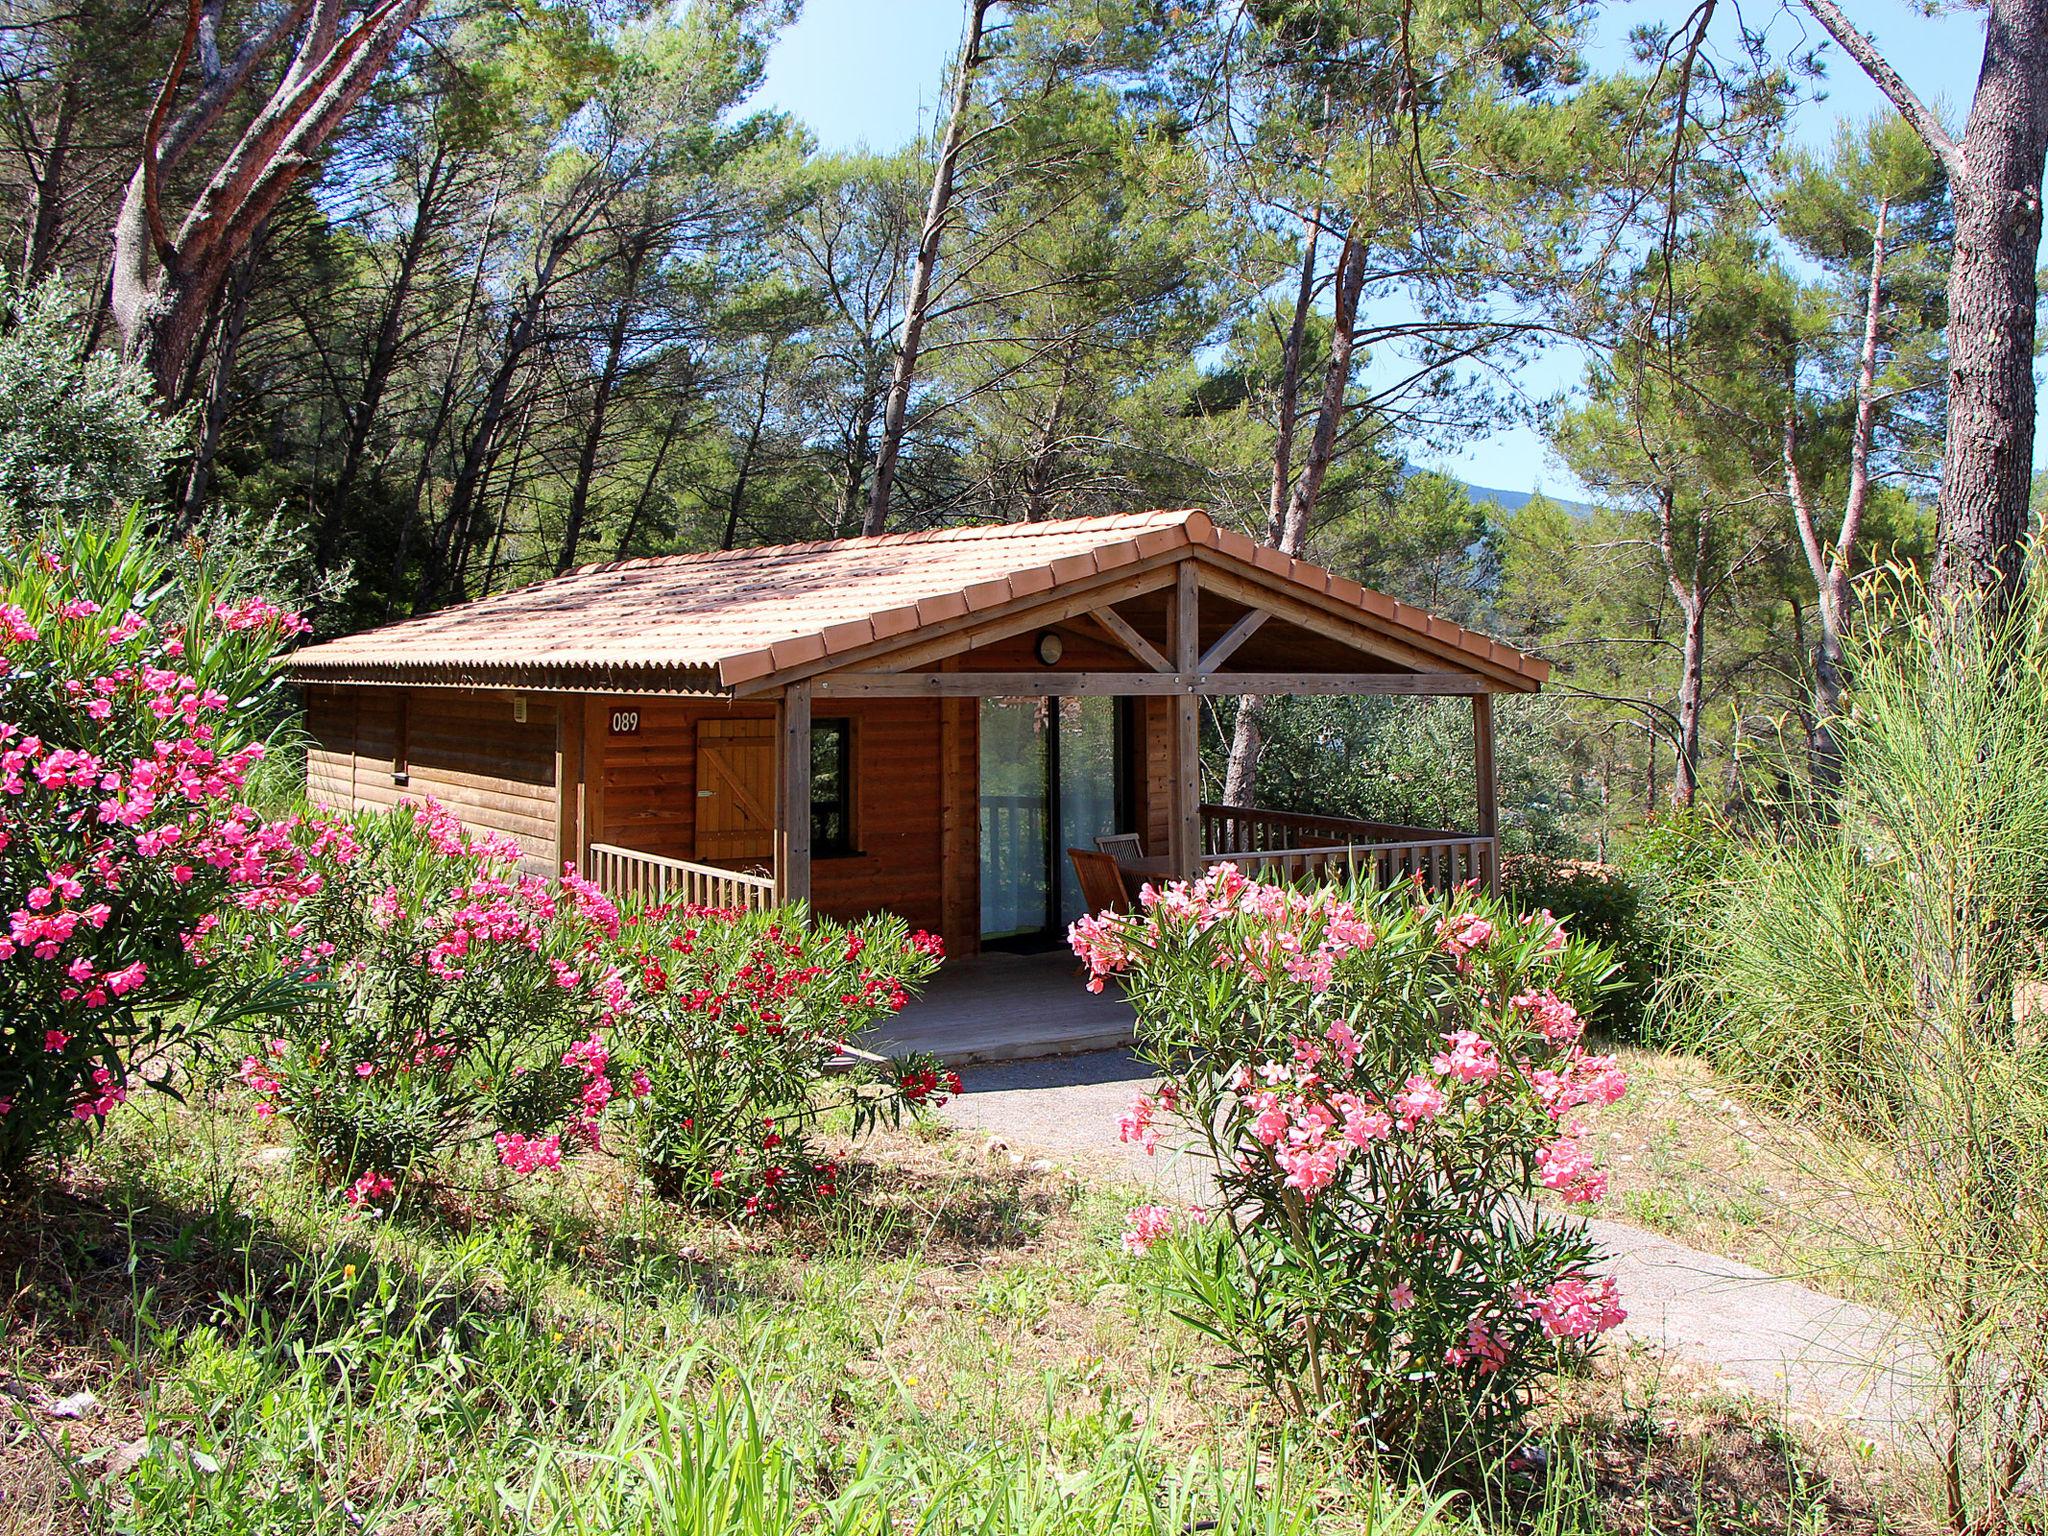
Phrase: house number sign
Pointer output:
(625, 722)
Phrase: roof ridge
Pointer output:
(1157, 517)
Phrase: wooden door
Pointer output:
(735, 791)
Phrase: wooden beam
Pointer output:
(793, 796)
(1053, 684)
(1119, 630)
(1184, 628)
(1350, 626)
(992, 685)
(1482, 764)
(569, 783)
(1274, 684)
(1232, 638)
(596, 736)
(1184, 638)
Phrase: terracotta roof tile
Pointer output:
(705, 621)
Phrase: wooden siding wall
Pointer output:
(647, 795)
(465, 750)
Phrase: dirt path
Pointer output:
(1780, 1342)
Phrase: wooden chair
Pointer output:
(1121, 845)
(1102, 883)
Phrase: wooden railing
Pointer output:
(1284, 845)
(653, 877)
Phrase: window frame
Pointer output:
(847, 844)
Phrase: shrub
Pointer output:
(1383, 1083)
(132, 709)
(1882, 977)
(1597, 902)
(738, 1018)
(80, 434)
(463, 1001)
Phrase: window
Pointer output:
(831, 788)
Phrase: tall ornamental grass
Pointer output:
(1887, 980)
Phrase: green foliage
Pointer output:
(81, 436)
(1408, 762)
(1598, 903)
(1879, 977)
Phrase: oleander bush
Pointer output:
(1385, 1083)
(460, 1000)
(740, 1024)
(463, 1000)
(134, 705)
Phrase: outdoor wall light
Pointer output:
(1050, 649)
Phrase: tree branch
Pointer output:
(1874, 64)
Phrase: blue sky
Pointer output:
(869, 72)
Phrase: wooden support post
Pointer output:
(1483, 778)
(1184, 637)
(793, 796)
(596, 737)
(569, 781)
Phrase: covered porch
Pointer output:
(925, 724)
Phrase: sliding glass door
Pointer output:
(1052, 778)
(1016, 846)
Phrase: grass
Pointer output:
(1688, 1158)
(959, 1347)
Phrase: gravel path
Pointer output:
(1772, 1339)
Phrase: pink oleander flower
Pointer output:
(1482, 1347)
(1146, 1225)
(1564, 1165)
(1344, 1041)
(1268, 1116)
(55, 1040)
(1469, 1057)
(1575, 1306)
(1554, 1018)
(1462, 934)
(1098, 941)
(1419, 1100)
(1401, 1297)
(528, 1155)
(1364, 1122)
(1135, 1125)
(1311, 1162)
(370, 1189)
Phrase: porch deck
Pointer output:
(1000, 1007)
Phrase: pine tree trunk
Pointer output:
(1288, 518)
(895, 416)
(600, 407)
(383, 361)
(1995, 185)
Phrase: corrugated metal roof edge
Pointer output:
(1190, 526)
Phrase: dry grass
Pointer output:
(1687, 1158)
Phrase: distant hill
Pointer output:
(1514, 501)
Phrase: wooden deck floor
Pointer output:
(1006, 1008)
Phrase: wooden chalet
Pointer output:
(922, 722)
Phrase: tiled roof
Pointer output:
(732, 616)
